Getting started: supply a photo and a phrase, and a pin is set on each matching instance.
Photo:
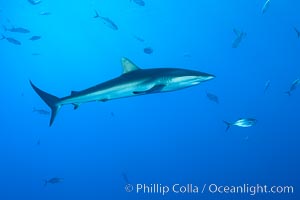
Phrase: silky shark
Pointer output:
(133, 82)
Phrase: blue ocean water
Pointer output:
(159, 139)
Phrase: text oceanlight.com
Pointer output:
(208, 188)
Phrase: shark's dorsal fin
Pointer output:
(128, 66)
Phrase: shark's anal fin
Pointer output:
(156, 88)
(104, 100)
(76, 106)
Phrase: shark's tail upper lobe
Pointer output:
(50, 100)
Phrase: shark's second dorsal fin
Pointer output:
(128, 66)
(74, 92)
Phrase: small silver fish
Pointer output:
(41, 111)
(11, 40)
(35, 37)
(125, 178)
(267, 85)
(148, 50)
(240, 35)
(138, 38)
(16, 30)
(212, 97)
(34, 2)
(297, 31)
(53, 180)
(265, 7)
(187, 55)
(243, 122)
(139, 2)
(45, 13)
(108, 22)
(293, 86)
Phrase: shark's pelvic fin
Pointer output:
(50, 100)
(156, 88)
(76, 105)
(128, 66)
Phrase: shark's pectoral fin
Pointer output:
(156, 88)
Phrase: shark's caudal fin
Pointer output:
(50, 100)
(228, 125)
(3, 37)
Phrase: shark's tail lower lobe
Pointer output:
(50, 100)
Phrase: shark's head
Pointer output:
(182, 78)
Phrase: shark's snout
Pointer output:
(209, 77)
(206, 77)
